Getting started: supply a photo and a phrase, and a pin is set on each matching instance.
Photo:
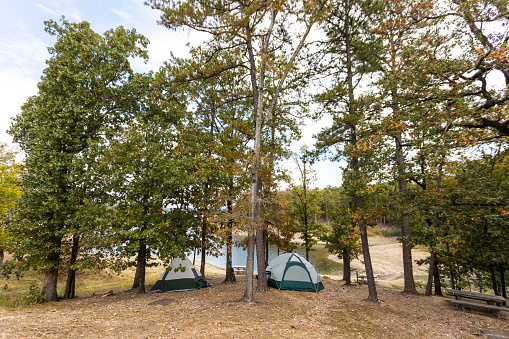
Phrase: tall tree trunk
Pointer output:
(405, 221)
(70, 287)
(438, 286)
(373, 296)
(261, 285)
(347, 272)
(451, 270)
(357, 199)
(203, 245)
(229, 243)
(139, 277)
(255, 193)
(431, 269)
(306, 235)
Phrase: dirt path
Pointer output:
(387, 260)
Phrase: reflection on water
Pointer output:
(318, 258)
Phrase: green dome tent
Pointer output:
(181, 275)
(290, 271)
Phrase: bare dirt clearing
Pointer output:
(337, 311)
(387, 261)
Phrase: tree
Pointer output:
(258, 32)
(342, 239)
(10, 191)
(304, 204)
(349, 56)
(84, 89)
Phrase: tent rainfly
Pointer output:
(290, 271)
(181, 275)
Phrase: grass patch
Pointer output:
(388, 232)
(25, 291)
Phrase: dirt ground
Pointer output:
(337, 311)
(387, 261)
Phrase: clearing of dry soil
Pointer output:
(337, 311)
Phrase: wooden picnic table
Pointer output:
(239, 269)
(493, 302)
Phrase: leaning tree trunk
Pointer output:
(373, 296)
(70, 287)
(347, 272)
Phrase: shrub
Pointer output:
(33, 296)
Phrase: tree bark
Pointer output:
(261, 285)
(405, 221)
(431, 270)
(438, 286)
(139, 277)
(347, 272)
(70, 287)
(494, 282)
(449, 263)
(49, 286)
(229, 244)
(203, 245)
(373, 296)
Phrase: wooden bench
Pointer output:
(493, 302)
(494, 308)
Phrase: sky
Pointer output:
(24, 43)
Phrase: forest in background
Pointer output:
(121, 165)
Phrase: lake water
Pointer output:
(318, 258)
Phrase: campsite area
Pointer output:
(337, 311)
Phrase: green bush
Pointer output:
(33, 296)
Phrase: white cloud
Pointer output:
(123, 14)
(26, 57)
(45, 9)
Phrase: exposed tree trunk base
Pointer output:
(70, 287)
(261, 284)
(139, 277)
(248, 290)
(49, 286)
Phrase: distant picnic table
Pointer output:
(493, 302)
(239, 269)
